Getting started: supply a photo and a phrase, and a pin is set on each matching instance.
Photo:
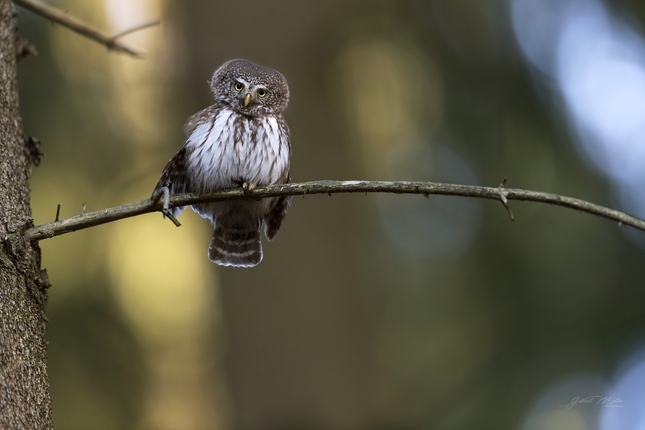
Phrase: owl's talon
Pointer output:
(248, 187)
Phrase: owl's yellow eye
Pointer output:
(238, 86)
(262, 92)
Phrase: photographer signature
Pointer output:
(610, 402)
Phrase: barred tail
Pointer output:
(237, 247)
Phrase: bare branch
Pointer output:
(135, 29)
(74, 24)
(156, 204)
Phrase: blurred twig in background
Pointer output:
(501, 194)
(74, 24)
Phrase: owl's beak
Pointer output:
(247, 99)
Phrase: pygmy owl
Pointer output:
(242, 140)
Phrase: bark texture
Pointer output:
(24, 387)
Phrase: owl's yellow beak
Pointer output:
(247, 99)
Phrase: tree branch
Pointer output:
(74, 24)
(501, 194)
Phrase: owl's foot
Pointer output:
(245, 185)
(248, 187)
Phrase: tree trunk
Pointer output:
(24, 387)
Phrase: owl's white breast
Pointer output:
(228, 146)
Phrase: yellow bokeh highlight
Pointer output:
(134, 87)
(164, 285)
(392, 98)
(159, 275)
(139, 82)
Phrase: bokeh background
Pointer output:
(368, 312)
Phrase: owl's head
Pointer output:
(250, 89)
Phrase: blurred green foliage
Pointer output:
(368, 311)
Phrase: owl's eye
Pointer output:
(262, 92)
(238, 86)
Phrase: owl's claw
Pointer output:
(246, 186)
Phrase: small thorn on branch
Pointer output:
(112, 42)
(57, 212)
(134, 29)
(504, 200)
(508, 209)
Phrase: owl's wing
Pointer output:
(174, 177)
(196, 120)
(274, 219)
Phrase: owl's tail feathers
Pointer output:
(237, 247)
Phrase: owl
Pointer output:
(242, 140)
